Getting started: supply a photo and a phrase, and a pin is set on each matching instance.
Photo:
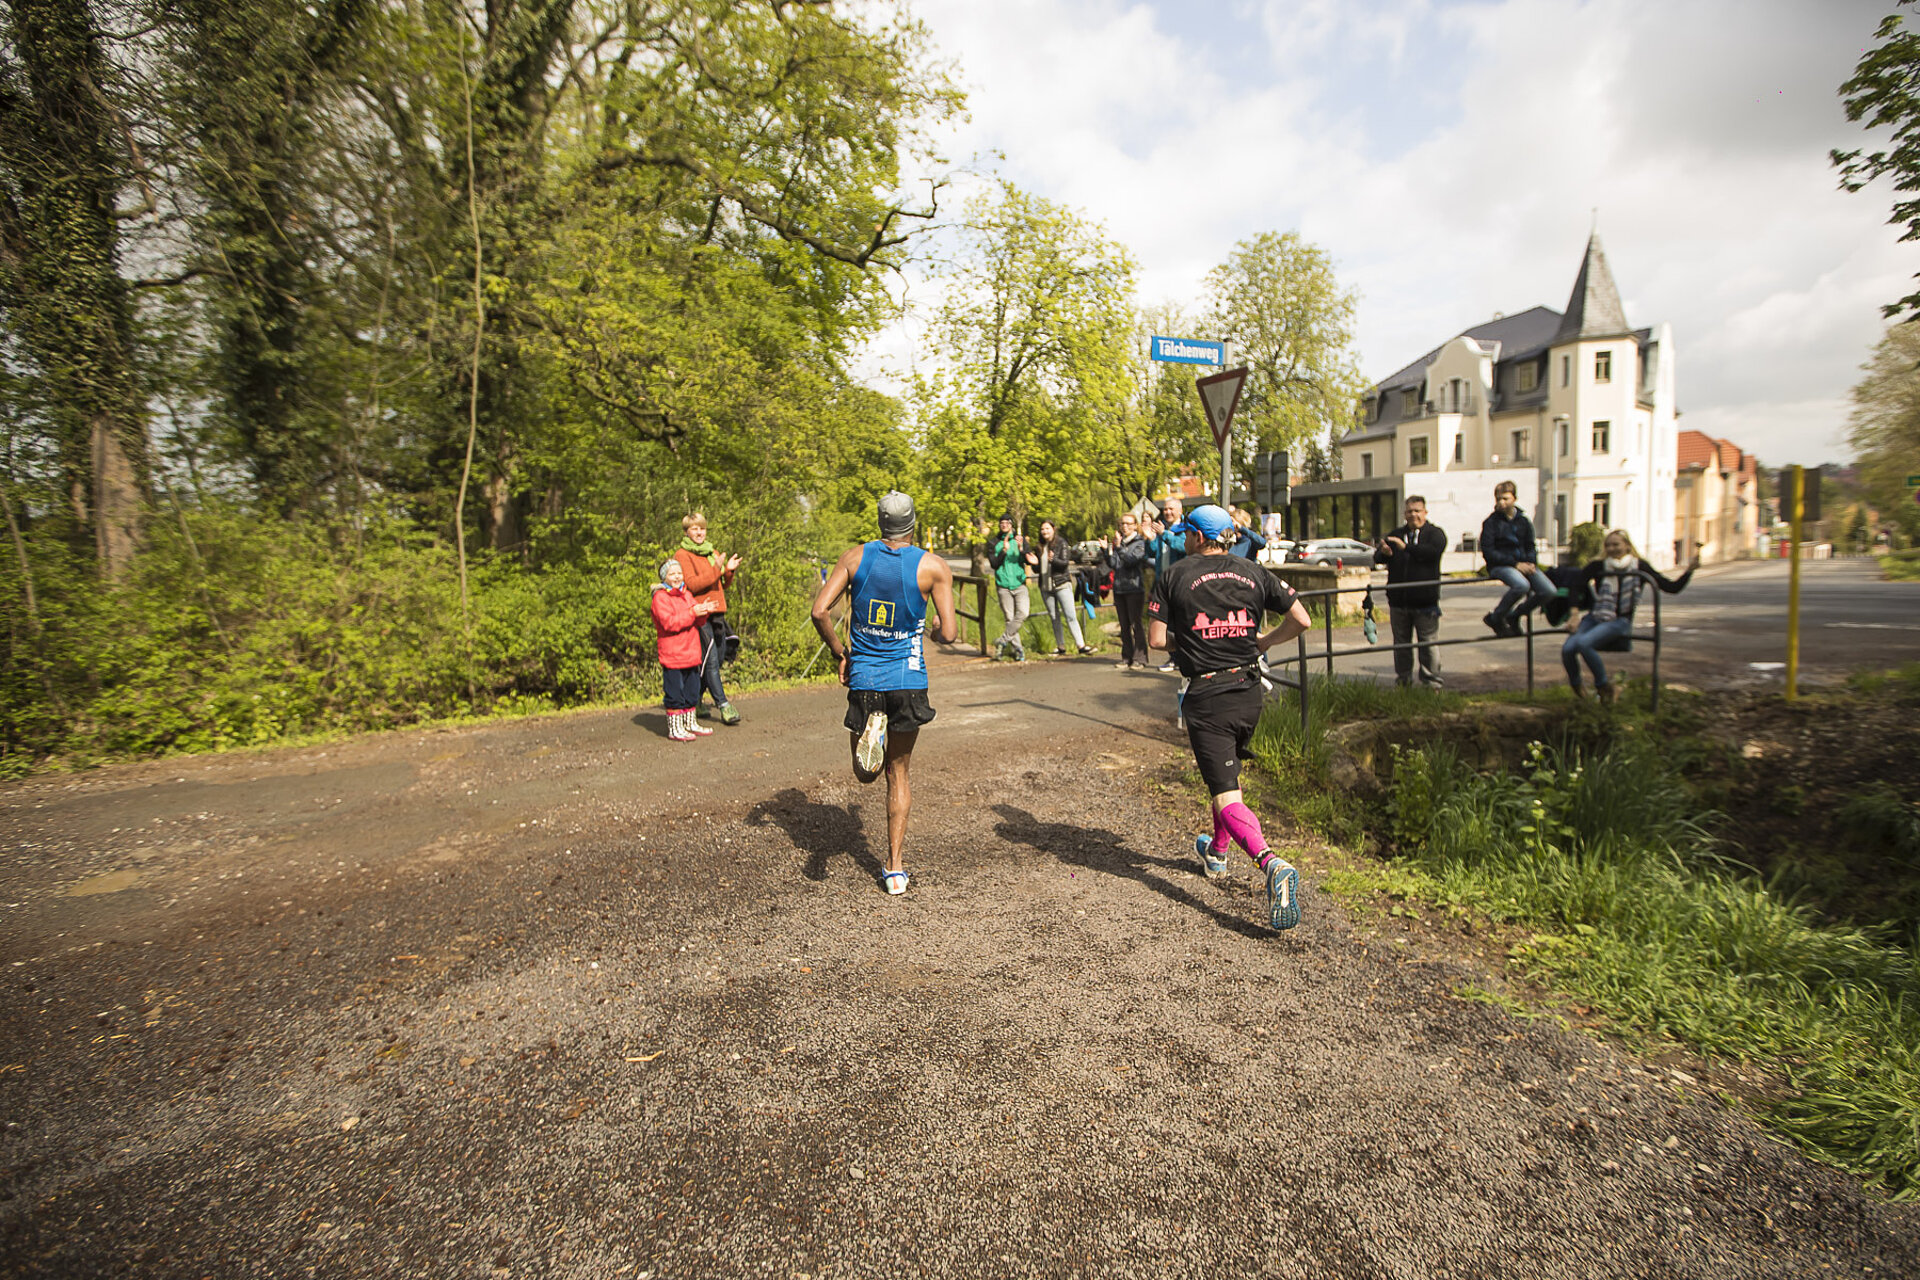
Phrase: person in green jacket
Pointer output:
(1007, 554)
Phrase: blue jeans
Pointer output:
(1517, 585)
(1584, 642)
(710, 669)
(1060, 608)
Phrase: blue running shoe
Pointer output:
(1211, 864)
(1283, 894)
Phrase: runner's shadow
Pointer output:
(818, 830)
(1100, 850)
(1081, 715)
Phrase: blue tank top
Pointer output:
(889, 620)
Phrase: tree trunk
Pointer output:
(60, 144)
(116, 501)
(505, 530)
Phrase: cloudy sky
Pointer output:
(1452, 156)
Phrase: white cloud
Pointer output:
(1449, 157)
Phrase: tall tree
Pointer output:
(253, 88)
(1885, 426)
(1278, 301)
(1884, 91)
(1034, 332)
(65, 160)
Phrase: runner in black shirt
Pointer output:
(1207, 610)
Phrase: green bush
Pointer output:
(1584, 541)
(234, 629)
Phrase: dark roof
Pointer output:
(1593, 311)
(1593, 308)
(1518, 334)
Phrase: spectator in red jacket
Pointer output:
(679, 625)
(709, 573)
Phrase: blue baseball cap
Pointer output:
(1208, 520)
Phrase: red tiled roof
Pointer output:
(1696, 449)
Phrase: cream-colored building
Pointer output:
(1578, 401)
(1717, 500)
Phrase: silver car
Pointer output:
(1334, 551)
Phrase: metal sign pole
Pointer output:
(1796, 500)
(1226, 445)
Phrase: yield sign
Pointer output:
(1220, 396)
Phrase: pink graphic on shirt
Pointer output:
(1237, 623)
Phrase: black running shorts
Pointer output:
(907, 709)
(1222, 714)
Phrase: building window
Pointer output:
(1417, 452)
(1566, 370)
(1603, 366)
(1409, 402)
(1366, 464)
(1603, 509)
(1602, 436)
(1528, 377)
(1559, 534)
(1561, 439)
(1520, 443)
(1460, 447)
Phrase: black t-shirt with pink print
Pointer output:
(1213, 607)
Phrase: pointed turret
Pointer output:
(1593, 310)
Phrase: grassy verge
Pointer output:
(1901, 566)
(1603, 857)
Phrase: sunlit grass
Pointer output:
(1603, 857)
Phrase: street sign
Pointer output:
(1913, 482)
(1220, 396)
(1270, 488)
(1189, 350)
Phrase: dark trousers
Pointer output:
(1133, 630)
(1408, 624)
(681, 687)
(710, 671)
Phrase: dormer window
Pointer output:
(1410, 402)
(1527, 377)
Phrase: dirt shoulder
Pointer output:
(565, 999)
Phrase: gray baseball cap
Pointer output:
(896, 514)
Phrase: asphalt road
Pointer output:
(1727, 628)
(559, 997)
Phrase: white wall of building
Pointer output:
(1458, 501)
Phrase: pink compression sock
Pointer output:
(1222, 835)
(1238, 821)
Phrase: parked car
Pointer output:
(1277, 551)
(1335, 551)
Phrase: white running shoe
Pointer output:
(895, 881)
(871, 751)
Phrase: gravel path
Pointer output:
(339, 1013)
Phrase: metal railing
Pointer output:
(1328, 652)
(979, 615)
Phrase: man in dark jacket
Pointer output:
(1413, 553)
(1506, 541)
(1128, 554)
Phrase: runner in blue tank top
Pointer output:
(889, 618)
(884, 666)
